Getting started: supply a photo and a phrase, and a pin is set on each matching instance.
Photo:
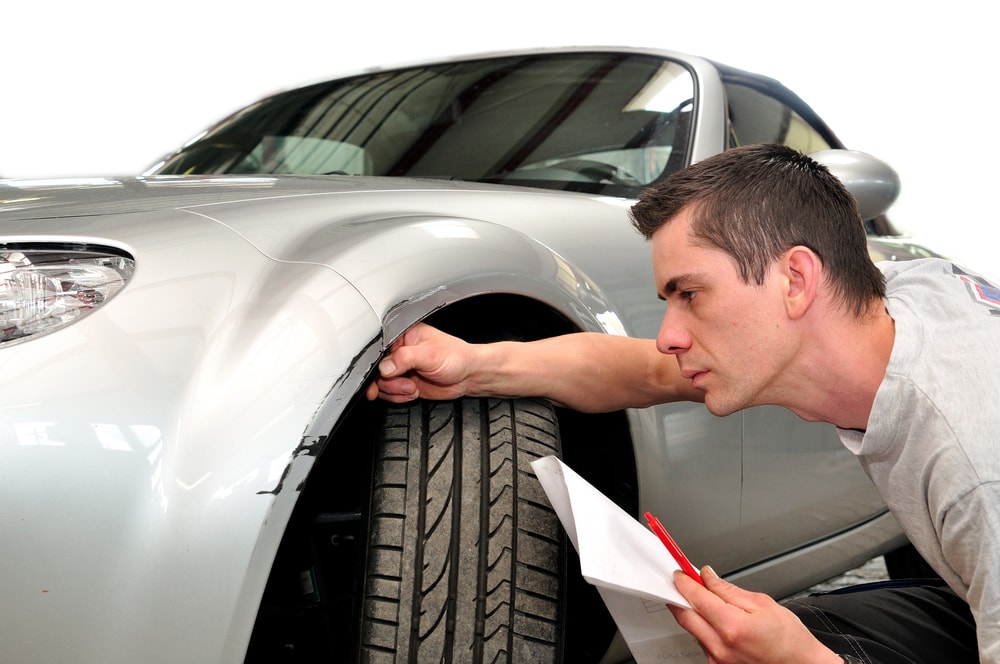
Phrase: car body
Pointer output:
(187, 457)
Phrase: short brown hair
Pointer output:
(755, 202)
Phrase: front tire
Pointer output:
(465, 558)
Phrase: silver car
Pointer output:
(190, 472)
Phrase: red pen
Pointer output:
(672, 547)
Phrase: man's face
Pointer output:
(730, 338)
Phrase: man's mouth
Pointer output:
(693, 375)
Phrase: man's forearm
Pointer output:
(586, 371)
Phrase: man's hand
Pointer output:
(423, 363)
(735, 626)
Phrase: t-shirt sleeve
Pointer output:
(971, 542)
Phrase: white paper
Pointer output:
(628, 564)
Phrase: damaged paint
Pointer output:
(309, 446)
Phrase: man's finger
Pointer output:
(387, 367)
(732, 594)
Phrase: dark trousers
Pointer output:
(892, 622)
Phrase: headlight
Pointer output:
(44, 288)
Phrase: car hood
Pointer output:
(67, 198)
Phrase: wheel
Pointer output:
(465, 557)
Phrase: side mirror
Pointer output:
(874, 184)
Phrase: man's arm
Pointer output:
(587, 371)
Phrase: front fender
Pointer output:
(412, 252)
(151, 452)
(407, 267)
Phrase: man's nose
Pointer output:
(672, 338)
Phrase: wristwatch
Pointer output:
(851, 659)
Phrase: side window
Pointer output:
(755, 117)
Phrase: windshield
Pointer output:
(596, 122)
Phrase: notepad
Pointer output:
(627, 563)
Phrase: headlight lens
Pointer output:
(45, 288)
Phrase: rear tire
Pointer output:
(465, 558)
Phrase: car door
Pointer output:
(690, 474)
(800, 484)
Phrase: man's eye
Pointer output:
(687, 295)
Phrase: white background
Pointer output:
(107, 87)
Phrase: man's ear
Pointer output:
(803, 271)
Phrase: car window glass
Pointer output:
(598, 122)
(304, 154)
(755, 117)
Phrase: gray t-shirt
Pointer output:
(932, 446)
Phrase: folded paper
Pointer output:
(627, 563)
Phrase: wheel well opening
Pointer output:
(500, 317)
(310, 606)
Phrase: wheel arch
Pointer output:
(484, 281)
(340, 474)
(507, 286)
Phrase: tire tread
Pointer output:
(465, 555)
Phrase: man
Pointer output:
(772, 299)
